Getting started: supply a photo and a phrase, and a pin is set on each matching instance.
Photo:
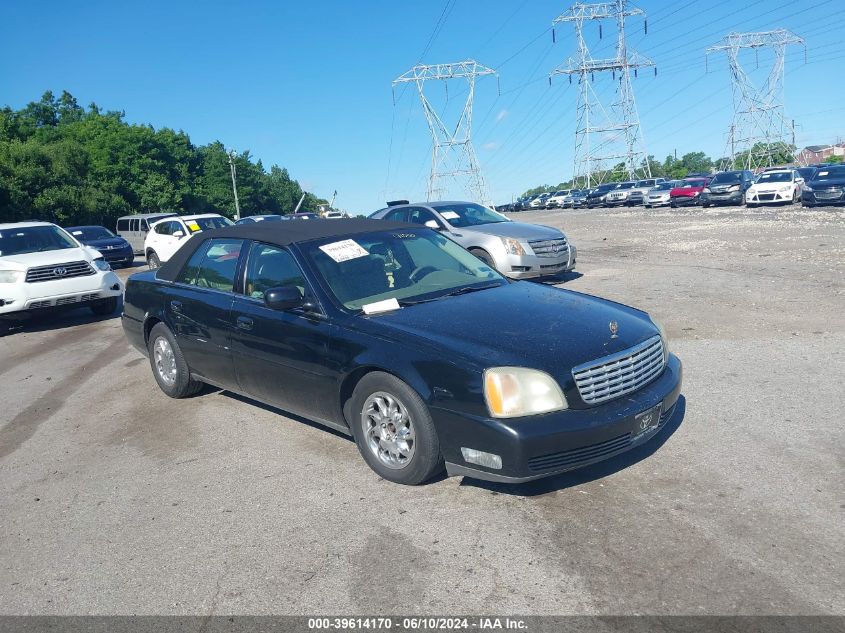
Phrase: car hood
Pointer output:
(107, 241)
(523, 324)
(770, 186)
(519, 230)
(685, 191)
(45, 258)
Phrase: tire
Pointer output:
(104, 307)
(378, 401)
(169, 367)
(706, 205)
(153, 261)
(673, 205)
(484, 256)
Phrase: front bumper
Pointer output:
(684, 201)
(657, 201)
(616, 202)
(21, 298)
(118, 255)
(768, 197)
(831, 195)
(528, 266)
(545, 445)
(727, 198)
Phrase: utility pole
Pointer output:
(234, 172)
(452, 154)
(759, 125)
(617, 128)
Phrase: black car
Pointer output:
(826, 187)
(727, 187)
(597, 195)
(394, 334)
(114, 249)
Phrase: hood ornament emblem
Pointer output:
(614, 328)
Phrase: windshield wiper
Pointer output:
(466, 289)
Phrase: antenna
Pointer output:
(760, 132)
(453, 154)
(618, 127)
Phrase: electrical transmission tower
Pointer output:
(616, 128)
(452, 152)
(759, 128)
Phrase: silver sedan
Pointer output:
(516, 249)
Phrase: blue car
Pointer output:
(115, 250)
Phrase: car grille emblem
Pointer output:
(60, 271)
(614, 328)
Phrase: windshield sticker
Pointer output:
(193, 226)
(77, 232)
(380, 306)
(344, 251)
(823, 173)
(450, 215)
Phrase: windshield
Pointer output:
(726, 177)
(627, 185)
(412, 265)
(830, 173)
(89, 233)
(207, 224)
(34, 239)
(693, 183)
(666, 186)
(776, 176)
(463, 214)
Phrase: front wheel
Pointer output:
(169, 366)
(153, 261)
(394, 431)
(104, 307)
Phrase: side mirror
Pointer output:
(283, 298)
(178, 234)
(432, 224)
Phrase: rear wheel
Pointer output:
(153, 261)
(394, 431)
(169, 366)
(484, 256)
(104, 307)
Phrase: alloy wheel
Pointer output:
(388, 430)
(165, 360)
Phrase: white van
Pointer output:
(134, 228)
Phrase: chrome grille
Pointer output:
(548, 248)
(828, 194)
(613, 376)
(54, 271)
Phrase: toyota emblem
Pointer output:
(60, 271)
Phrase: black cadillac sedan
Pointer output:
(396, 335)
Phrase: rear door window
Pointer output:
(123, 225)
(134, 225)
(213, 265)
(397, 215)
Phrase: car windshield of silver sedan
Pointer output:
(467, 214)
(397, 268)
(33, 239)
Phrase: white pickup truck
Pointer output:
(43, 267)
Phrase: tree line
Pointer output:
(71, 165)
(674, 168)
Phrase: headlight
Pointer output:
(512, 392)
(11, 276)
(785, 188)
(101, 264)
(734, 188)
(513, 246)
(662, 331)
(706, 191)
(808, 188)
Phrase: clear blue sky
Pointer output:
(307, 85)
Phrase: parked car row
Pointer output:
(775, 185)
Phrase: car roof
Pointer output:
(279, 234)
(21, 225)
(147, 215)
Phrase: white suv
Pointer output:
(166, 236)
(42, 266)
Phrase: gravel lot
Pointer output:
(116, 499)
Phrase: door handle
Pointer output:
(176, 306)
(244, 323)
